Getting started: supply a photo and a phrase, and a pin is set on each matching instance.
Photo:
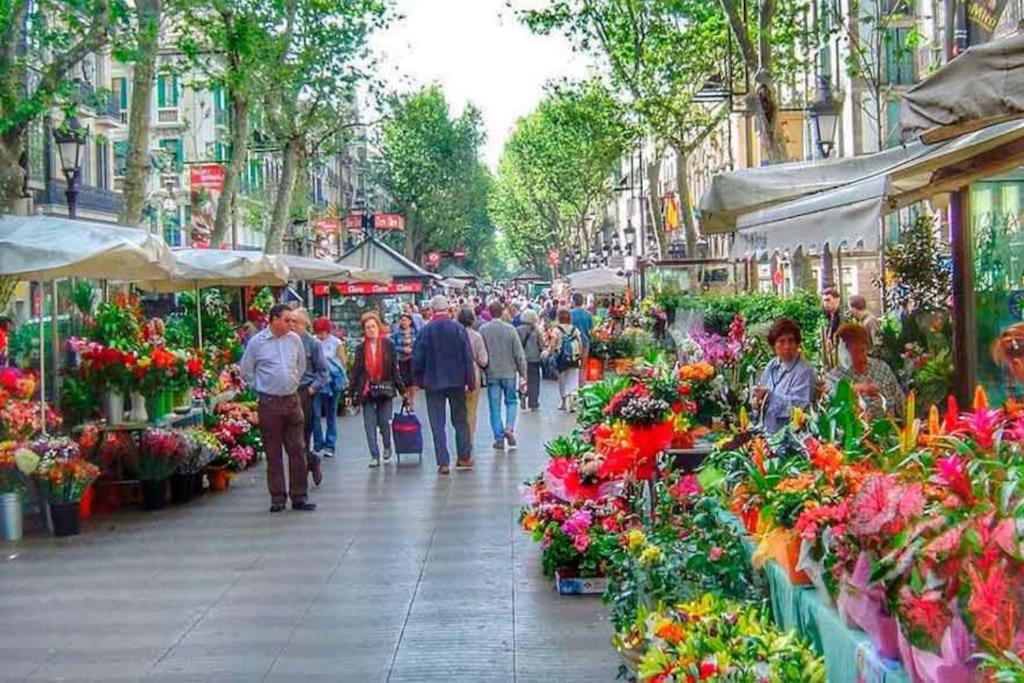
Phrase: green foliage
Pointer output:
(593, 397)
(218, 329)
(117, 326)
(567, 446)
(83, 296)
(78, 400)
(917, 268)
(24, 342)
(429, 168)
(557, 169)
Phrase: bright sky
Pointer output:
(479, 53)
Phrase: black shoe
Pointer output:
(305, 506)
(277, 507)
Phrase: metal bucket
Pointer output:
(113, 407)
(11, 516)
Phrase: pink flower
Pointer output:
(581, 543)
(578, 524)
(684, 488)
(715, 554)
(952, 473)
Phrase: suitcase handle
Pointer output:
(406, 408)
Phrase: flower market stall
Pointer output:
(838, 548)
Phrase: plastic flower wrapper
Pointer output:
(26, 460)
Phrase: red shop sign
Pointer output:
(365, 288)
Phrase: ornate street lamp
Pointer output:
(70, 138)
(824, 113)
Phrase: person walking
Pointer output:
(315, 377)
(533, 347)
(273, 363)
(506, 360)
(404, 339)
(860, 313)
(443, 364)
(376, 380)
(325, 403)
(476, 344)
(567, 348)
(583, 321)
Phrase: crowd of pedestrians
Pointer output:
(500, 346)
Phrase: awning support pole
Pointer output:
(964, 340)
(42, 359)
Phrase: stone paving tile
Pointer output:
(400, 575)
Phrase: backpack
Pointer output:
(571, 350)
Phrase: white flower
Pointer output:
(26, 460)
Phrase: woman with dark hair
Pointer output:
(872, 379)
(376, 380)
(405, 340)
(787, 381)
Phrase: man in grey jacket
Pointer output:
(315, 376)
(506, 361)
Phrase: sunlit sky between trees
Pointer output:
(479, 53)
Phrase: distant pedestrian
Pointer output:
(316, 376)
(567, 348)
(273, 363)
(443, 365)
(583, 321)
(6, 328)
(468, 319)
(833, 316)
(404, 339)
(859, 312)
(506, 361)
(325, 403)
(533, 346)
(376, 380)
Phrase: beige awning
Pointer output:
(982, 86)
(47, 248)
(219, 267)
(597, 281)
(850, 214)
(319, 270)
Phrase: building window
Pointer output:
(175, 150)
(120, 158)
(119, 86)
(102, 165)
(899, 55)
(167, 91)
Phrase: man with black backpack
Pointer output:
(566, 346)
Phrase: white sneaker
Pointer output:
(387, 453)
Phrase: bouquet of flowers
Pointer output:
(110, 369)
(202, 447)
(713, 638)
(16, 464)
(116, 447)
(161, 452)
(636, 406)
(575, 537)
(158, 369)
(17, 384)
(22, 419)
(63, 474)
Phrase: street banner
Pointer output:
(384, 222)
(206, 183)
(433, 259)
(671, 213)
(325, 231)
(982, 18)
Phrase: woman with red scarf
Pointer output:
(376, 380)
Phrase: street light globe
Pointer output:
(70, 138)
(824, 113)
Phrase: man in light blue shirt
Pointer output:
(274, 363)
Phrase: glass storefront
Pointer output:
(997, 214)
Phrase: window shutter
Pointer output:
(174, 91)
(161, 91)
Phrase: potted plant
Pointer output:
(16, 463)
(63, 475)
(161, 452)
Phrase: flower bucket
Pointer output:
(182, 488)
(11, 516)
(113, 407)
(219, 478)
(783, 546)
(139, 413)
(182, 399)
(197, 484)
(65, 518)
(156, 405)
(947, 666)
(87, 503)
(593, 370)
(107, 496)
(863, 606)
(154, 494)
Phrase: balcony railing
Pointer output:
(102, 104)
(168, 115)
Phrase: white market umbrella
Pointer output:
(198, 268)
(45, 248)
(320, 270)
(597, 281)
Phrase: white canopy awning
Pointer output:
(318, 270)
(46, 248)
(746, 191)
(980, 87)
(597, 281)
(220, 267)
(849, 214)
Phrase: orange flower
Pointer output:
(796, 484)
(671, 632)
(696, 372)
(827, 458)
(530, 522)
(758, 452)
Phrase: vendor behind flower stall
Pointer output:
(872, 379)
(787, 381)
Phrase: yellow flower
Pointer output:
(636, 540)
(651, 556)
(798, 418)
(145, 362)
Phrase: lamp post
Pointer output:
(70, 138)
(824, 113)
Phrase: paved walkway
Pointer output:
(400, 575)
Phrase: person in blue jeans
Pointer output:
(506, 370)
(443, 365)
(325, 403)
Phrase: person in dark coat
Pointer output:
(376, 380)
